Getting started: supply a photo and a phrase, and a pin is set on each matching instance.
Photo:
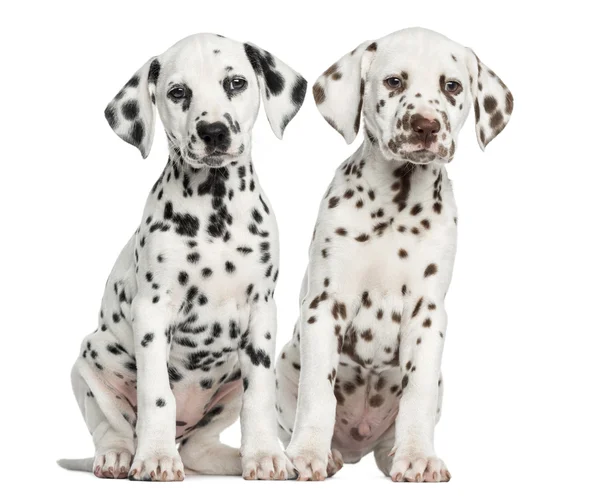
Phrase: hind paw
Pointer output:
(112, 464)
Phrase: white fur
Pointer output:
(364, 362)
(188, 318)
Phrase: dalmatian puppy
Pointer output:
(186, 331)
(362, 372)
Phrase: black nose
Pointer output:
(215, 134)
(424, 128)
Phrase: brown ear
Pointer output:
(338, 92)
(131, 112)
(492, 101)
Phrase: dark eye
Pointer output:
(393, 83)
(176, 93)
(452, 86)
(237, 84)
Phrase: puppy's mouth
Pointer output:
(418, 153)
(214, 158)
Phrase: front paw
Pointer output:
(418, 468)
(161, 467)
(271, 464)
(310, 463)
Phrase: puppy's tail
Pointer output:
(80, 464)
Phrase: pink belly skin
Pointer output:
(359, 425)
(193, 402)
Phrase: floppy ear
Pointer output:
(492, 101)
(282, 89)
(339, 91)
(131, 112)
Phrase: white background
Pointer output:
(520, 364)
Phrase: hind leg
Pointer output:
(287, 376)
(108, 419)
(203, 451)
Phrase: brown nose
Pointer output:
(424, 128)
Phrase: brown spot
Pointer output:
(336, 76)
(349, 193)
(318, 94)
(431, 306)
(333, 69)
(326, 282)
(379, 314)
(312, 320)
(356, 435)
(341, 231)
(334, 201)
(372, 47)
(427, 322)
(496, 120)
(366, 301)
(509, 103)
(402, 253)
(367, 335)
(437, 207)
(376, 401)
(349, 388)
(425, 223)
(417, 307)
(396, 317)
(430, 270)
(362, 237)
(490, 104)
(414, 230)
(476, 109)
(359, 204)
(416, 210)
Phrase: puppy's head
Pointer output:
(207, 90)
(414, 89)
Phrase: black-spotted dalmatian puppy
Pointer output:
(187, 323)
(362, 372)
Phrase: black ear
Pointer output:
(282, 89)
(131, 112)
(492, 101)
(339, 91)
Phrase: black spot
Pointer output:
(258, 356)
(183, 278)
(137, 133)
(111, 116)
(160, 402)
(264, 65)
(130, 109)
(147, 339)
(299, 91)
(154, 72)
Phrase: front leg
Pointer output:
(321, 330)
(156, 457)
(421, 345)
(262, 456)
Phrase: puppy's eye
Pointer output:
(452, 86)
(393, 83)
(176, 93)
(237, 84)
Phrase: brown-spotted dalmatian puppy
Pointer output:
(186, 332)
(362, 372)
